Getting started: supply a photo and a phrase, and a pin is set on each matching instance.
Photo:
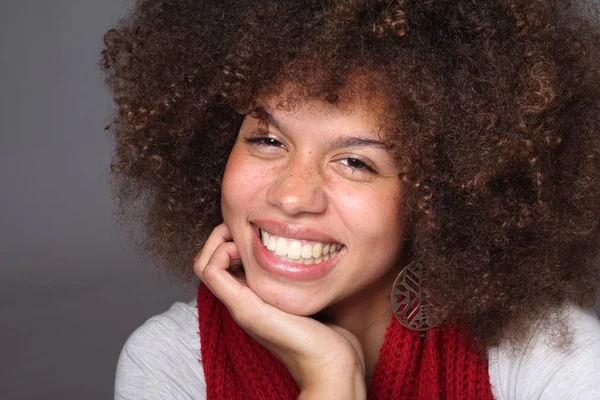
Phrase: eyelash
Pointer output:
(362, 167)
(265, 141)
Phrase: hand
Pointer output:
(325, 360)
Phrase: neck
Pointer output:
(366, 315)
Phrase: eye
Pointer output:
(263, 141)
(357, 165)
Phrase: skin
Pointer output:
(302, 176)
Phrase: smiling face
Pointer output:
(312, 197)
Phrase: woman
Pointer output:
(385, 199)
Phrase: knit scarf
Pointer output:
(442, 364)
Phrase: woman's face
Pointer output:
(312, 201)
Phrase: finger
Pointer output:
(219, 235)
(218, 279)
(244, 305)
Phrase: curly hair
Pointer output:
(495, 107)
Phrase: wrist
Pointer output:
(349, 385)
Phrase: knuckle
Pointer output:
(220, 230)
(198, 266)
(210, 272)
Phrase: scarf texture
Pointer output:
(442, 364)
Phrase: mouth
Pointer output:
(305, 252)
(294, 253)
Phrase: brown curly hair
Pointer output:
(496, 110)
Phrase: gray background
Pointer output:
(71, 289)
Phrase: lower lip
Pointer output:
(297, 272)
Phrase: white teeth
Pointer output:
(281, 247)
(317, 248)
(307, 251)
(265, 237)
(293, 250)
(271, 243)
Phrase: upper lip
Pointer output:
(293, 231)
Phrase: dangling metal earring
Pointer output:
(409, 305)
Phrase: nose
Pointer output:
(298, 188)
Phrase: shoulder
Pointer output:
(161, 358)
(547, 370)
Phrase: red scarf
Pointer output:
(443, 364)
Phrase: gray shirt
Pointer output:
(160, 360)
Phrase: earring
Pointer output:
(409, 305)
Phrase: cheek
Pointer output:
(242, 182)
(374, 221)
(372, 212)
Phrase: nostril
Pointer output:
(295, 192)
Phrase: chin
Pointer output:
(293, 300)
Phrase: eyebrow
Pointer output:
(340, 142)
(357, 141)
(266, 116)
